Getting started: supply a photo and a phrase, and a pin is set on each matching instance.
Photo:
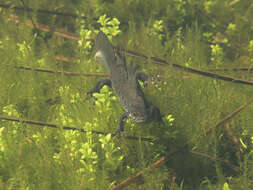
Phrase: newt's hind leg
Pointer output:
(122, 120)
(154, 79)
(143, 78)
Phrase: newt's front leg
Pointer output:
(99, 85)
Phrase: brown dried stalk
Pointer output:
(42, 124)
(62, 72)
(130, 180)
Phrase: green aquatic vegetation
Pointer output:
(217, 55)
(200, 34)
(109, 26)
(250, 48)
(158, 29)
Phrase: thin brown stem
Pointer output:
(62, 72)
(130, 180)
(232, 69)
(42, 124)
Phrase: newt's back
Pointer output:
(123, 79)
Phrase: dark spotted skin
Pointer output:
(124, 81)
